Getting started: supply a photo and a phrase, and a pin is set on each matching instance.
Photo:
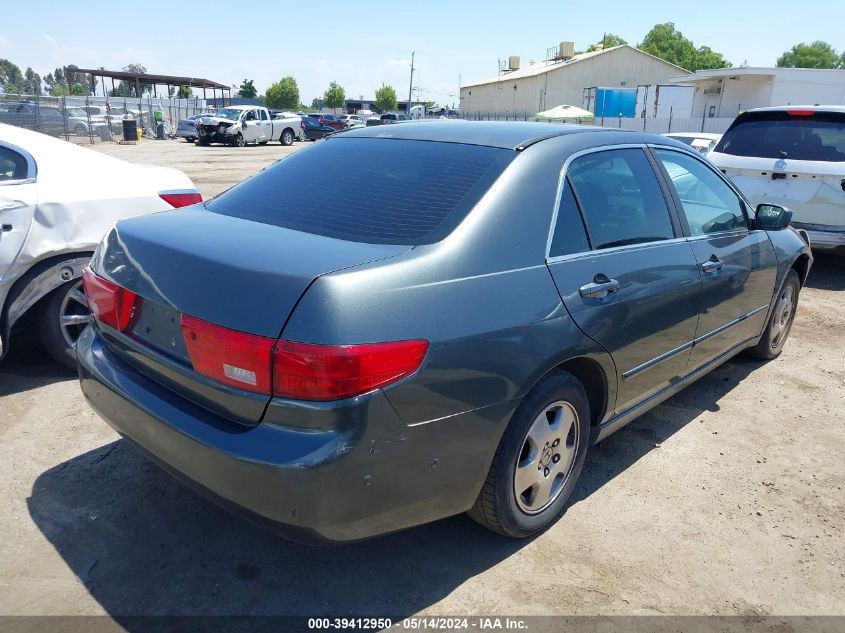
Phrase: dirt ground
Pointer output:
(727, 499)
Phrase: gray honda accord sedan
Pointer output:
(445, 325)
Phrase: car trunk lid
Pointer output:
(242, 275)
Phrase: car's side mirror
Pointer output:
(771, 217)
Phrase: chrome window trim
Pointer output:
(31, 166)
(614, 249)
(560, 183)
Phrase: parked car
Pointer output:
(331, 120)
(47, 119)
(388, 118)
(702, 142)
(187, 128)
(347, 360)
(57, 200)
(240, 125)
(350, 120)
(793, 156)
(312, 130)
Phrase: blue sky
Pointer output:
(362, 44)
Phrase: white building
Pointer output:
(522, 91)
(727, 91)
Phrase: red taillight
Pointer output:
(233, 358)
(331, 372)
(110, 304)
(180, 199)
(800, 112)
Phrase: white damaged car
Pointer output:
(241, 125)
(57, 200)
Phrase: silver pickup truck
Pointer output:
(239, 125)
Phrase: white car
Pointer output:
(702, 142)
(792, 156)
(57, 200)
(351, 119)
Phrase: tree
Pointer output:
(283, 95)
(816, 55)
(247, 89)
(385, 99)
(608, 41)
(184, 92)
(667, 43)
(335, 96)
(316, 103)
(11, 78)
(32, 82)
(128, 88)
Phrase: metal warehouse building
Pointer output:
(728, 91)
(564, 78)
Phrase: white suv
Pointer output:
(793, 156)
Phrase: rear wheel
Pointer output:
(63, 316)
(538, 461)
(286, 138)
(780, 322)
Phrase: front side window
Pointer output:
(709, 204)
(620, 198)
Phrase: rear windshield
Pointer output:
(380, 191)
(782, 135)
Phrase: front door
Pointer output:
(738, 266)
(635, 290)
(251, 127)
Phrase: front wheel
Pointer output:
(240, 141)
(780, 322)
(80, 131)
(538, 461)
(286, 138)
(64, 315)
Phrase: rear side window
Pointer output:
(820, 136)
(389, 191)
(569, 236)
(620, 197)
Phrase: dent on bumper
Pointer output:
(311, 486)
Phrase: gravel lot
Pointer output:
(727, 499)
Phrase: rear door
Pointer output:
(738, 266)
(18, 198)
(632, 283)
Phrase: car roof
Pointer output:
(816, 108)
(504, 134)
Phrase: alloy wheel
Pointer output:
(784, 312)
(74, 313)
(546, 458)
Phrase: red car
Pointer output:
(329, 119)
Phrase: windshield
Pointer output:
(229, 113)
(78, 112)
(389, 191)
(820, 136)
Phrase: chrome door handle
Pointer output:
(712, 265)
(599, 288)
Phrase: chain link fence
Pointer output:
(95, 119)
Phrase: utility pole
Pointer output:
(411, 85)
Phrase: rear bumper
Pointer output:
(823, 237)
(370, 475)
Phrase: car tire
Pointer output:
(780, 321)
(79, 130)
(189, 139)
(286, 138)
(239, 141)
(64, 314)
(550, 429)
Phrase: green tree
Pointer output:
(184, 92)
(608, 41)
(128, 88)
(283, 95)
(32, 82)
(385, 99)
(335, 96)
(11, 78)
(816, 55)
(247, 89)
(316, 103)
(668, 43)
